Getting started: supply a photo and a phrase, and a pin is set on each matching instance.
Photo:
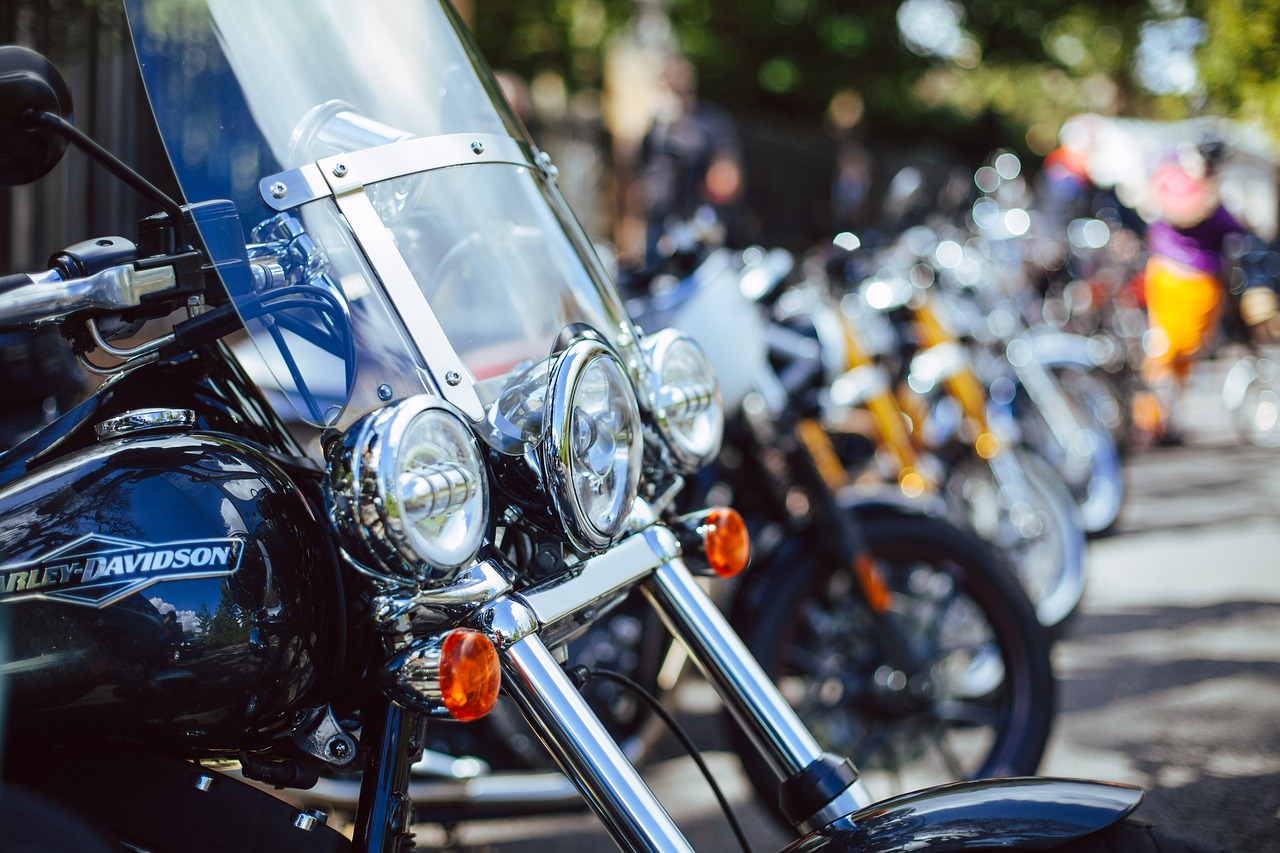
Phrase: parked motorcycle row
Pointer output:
(474, 602)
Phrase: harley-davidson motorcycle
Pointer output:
(502, 449)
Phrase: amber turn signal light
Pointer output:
(469, 674)
(725, 541)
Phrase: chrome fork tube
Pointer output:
(817, 787)
(585, 751)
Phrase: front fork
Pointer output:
(817, 787)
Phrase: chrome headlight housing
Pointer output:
(686, 398)
(407, 488)
(591, 453)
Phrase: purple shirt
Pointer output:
(1198, 247)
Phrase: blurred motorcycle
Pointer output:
(503, 453)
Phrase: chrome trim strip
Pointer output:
(415, 312)
(294, 188)
(602, 577)
(140, 420)
(342, 172)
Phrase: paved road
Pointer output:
(1169, 677)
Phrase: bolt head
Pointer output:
(339, 170)
(279, 190)
(453, 377)
(477, 147)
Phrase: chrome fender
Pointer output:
(1063, 349)
(1029, 813)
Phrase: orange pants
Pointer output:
(1183, 306)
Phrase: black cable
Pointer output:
(582, 674)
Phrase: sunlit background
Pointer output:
(818, 86)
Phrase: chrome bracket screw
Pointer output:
(384, 392)
(453, 377)
(279, 190)
(477, 147)
(338, 748)
(339, 170)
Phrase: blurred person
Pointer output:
(690, 160)
(1183, 282)
(851, 188)
(1063, 184)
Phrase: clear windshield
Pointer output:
(399, 233)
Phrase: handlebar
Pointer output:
(38, 299)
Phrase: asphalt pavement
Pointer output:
(1169, 676)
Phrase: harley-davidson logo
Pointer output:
(99, 570)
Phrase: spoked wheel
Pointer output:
(952, 682)
(1020, 504)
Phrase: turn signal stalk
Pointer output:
(716, 538)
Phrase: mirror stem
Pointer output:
(116, 166)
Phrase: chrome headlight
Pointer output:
(408, 488)
(686, 398)
(592, 450)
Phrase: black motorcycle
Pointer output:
(502, 456)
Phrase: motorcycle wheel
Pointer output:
(1091, 466)
(980, 700)
(1037, 530)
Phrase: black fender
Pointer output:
(1028, 813)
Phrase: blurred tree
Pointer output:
(533, 37)
(916, 65)
(1238, 58)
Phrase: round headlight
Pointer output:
(591, 455)
(686, 398)
(408, 484)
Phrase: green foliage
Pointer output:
(565, 36)
(1239, 59)
(786, 59)
(228, 625)
(203, 619)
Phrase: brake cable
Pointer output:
(580, 675)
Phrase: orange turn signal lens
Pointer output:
(726, 541)
(469, 674)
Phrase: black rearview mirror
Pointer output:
(29, 82)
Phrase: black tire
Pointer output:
(944, 579)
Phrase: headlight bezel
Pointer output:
(366, 503)
(689, 451)
(556, 451)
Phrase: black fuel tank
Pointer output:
(98, 547)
